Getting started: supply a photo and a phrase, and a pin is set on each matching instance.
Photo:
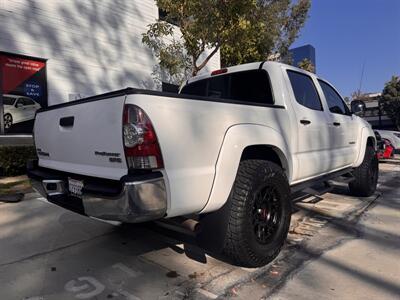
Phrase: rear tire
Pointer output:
(366, 175)
(259, 216)
(8, 121)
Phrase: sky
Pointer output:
(349, 33)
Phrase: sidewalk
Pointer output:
(363, 267)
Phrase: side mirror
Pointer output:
(358, 107)
(19, 105)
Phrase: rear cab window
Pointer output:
(251, 86)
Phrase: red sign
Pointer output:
(16, 70)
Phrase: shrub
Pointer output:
(13, 159)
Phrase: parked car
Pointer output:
(230, 149)
(385, 148)
(18, 109)
(392, 136)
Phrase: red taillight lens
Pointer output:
(140, 140)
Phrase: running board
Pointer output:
(318, 192)
(344, 179)
(312, 194)
(321, 179)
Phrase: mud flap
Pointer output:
(214, 228)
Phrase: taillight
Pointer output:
(140, 141)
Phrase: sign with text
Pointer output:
(23, 86)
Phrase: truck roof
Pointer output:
(251, 66)
(243, 67)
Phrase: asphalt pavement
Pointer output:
(338, 246)
(352, 257)
(366, 262)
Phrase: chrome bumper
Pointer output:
(139, 201)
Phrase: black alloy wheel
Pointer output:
(267, 210)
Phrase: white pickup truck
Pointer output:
(230, 149)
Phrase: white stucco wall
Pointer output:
(91, 46)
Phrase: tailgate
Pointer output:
(83, 138)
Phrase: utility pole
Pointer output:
(362, 77)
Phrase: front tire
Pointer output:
(260, 212)
(366, 175)
(8, 121)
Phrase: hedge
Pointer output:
(13, 159)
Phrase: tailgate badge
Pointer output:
(40, 152)
(113, 157)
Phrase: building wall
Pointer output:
(373, 115)
(91, 46)
(300, 53)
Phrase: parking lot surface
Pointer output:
(51, 253)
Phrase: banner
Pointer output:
(24, 90)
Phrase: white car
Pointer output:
(230, 149)
(18, 109)
(392, 136)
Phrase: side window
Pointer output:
(251, 86)
(335, 103)
(8, 100)
(304, 90)
(197, 88)
(20, 101)
(27, 101)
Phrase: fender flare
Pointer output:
(366, 133)
(236, 139)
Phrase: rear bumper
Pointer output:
(133, 199)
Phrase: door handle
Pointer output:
(305, 122)
(336, 124)
(67, 122)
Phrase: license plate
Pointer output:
(75, 187)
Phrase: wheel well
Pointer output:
(265, 152)
(371, 142)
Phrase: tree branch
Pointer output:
(202, 65)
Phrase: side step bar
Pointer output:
(302, 186)
(318, 192)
